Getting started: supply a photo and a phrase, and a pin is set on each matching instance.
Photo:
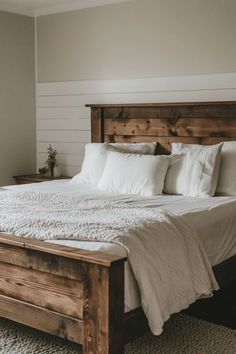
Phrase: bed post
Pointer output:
(103, 309)
(97, 125)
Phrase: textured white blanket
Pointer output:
(166, 256)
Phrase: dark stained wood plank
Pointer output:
(129, 138)
(168, 112)
(96, 125)
(63, 251)
(196, 127)
(137, 126)
(204, 123)
(39, 261)
(46, 290)
(42, 319)
(166, 104)
(166, 142)
(103, 309)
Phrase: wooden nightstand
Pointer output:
(35, 178)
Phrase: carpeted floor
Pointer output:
(182, 335)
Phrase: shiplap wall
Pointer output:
(64, 121)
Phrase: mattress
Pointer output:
(212, 217)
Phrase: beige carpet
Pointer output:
(182, 335)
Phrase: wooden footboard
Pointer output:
(74, 294)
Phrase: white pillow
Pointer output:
(96, 155)
(195, 172)
(227, 176)
(134, 174)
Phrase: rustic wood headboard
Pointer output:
(198, 122)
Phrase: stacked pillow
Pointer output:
(123, 168)
(227, 177)
(198, 170)
(192, 170)
(134, 174)
(96, 156)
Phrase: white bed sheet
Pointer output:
(214, 218)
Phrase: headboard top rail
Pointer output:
(161, 104)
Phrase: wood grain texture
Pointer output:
(46, 290)
(195, 127)
(160, 104)
(104, 309)
(58, 250)
(97, 133)
(42, 319)
(195, 123)
(40, 261)
(65, 294)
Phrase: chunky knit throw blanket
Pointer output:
(169, 264)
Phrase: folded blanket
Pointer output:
(168, 261)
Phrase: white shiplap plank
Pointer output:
(173, 96)
(63, 113)
(63, 148)
(64, 124)
(162, 84)
(61, 136)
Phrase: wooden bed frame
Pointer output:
(78, 294)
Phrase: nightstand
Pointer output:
(35, 178)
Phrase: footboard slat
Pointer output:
(42, 319)
(43, 262)
(42, 289)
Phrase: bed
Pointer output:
(79, 294)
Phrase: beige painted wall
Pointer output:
(17, 96)
(139, 38)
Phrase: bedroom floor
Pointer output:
(182, 335)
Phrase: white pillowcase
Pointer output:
(195, 172)
(227, 176)
(134, 174)
(96, 155)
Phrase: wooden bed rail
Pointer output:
(74, 294)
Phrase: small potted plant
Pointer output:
(51, 161)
